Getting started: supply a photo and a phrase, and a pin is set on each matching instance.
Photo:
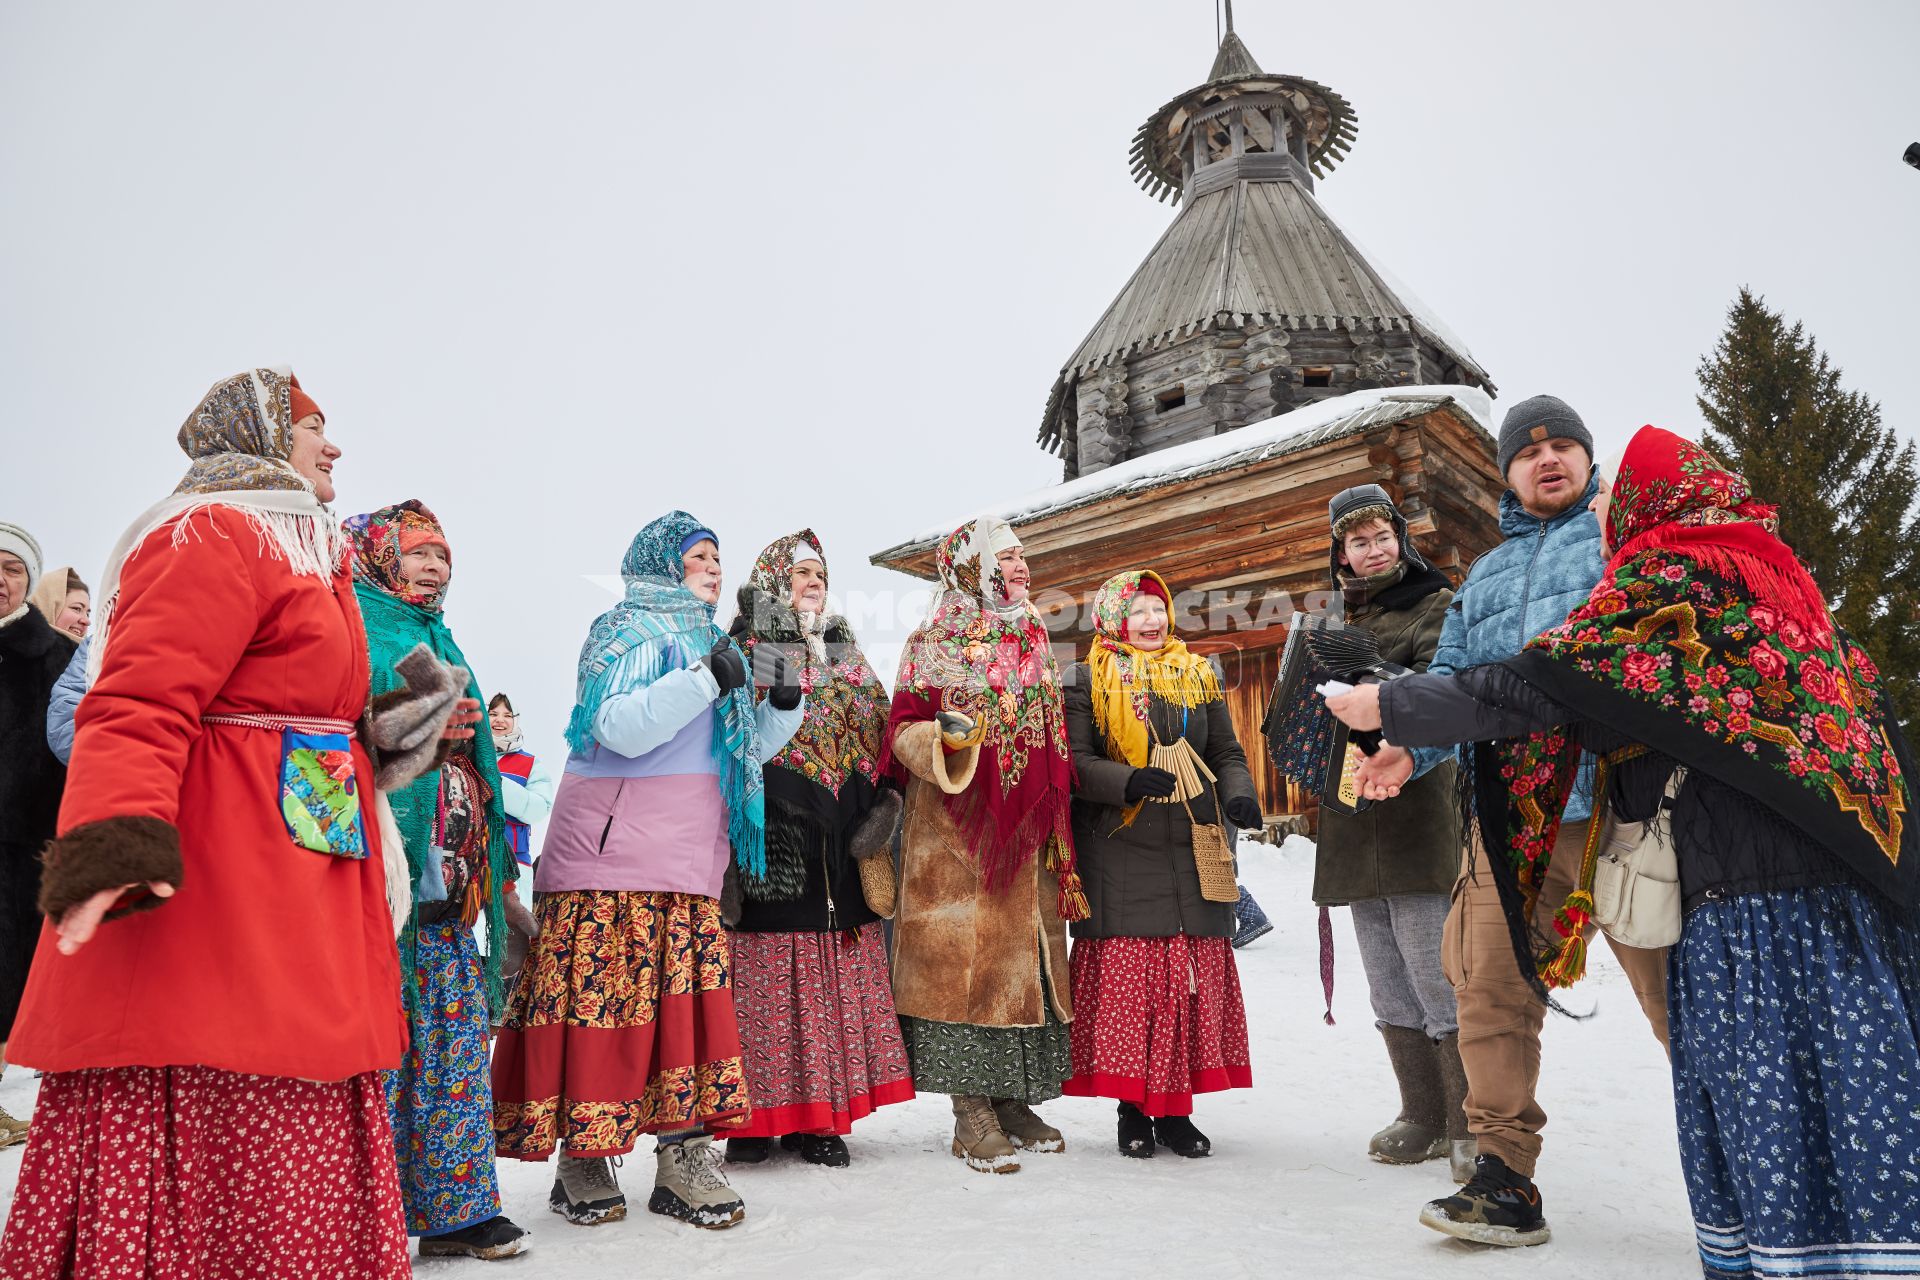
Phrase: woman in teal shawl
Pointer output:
(460, 867)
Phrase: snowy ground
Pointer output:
(1289, 1190)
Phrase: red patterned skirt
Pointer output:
(819, 1031)
(1157, 1020)
(621, 1023)
(189, 1172)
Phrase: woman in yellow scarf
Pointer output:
(1159, 1015)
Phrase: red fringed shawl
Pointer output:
(994, 663)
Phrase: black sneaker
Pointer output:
(749, 1150)
(1136, 1133)
(1498, 1206)
(1177, 1134)
(495, 1238)
(817, 1148)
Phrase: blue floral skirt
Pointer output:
(1796, 1076)
(441, 1098)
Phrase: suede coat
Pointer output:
(1411, 843)
(960, 953)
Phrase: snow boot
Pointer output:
(1420, 1131)
(1136, 1133)
(585, 1192)
(1024, 1129)
(489, 1241)
(689, 1186)
(818, 1148)
(1252, 921)
(1498, 1206)
(1177, 1134)
(977, 1137)
(13, 1131)
(1462, 1146)
(750, 1150)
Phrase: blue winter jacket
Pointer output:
(66, 700)
(1542, 572)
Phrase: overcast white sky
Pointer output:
(557, 268)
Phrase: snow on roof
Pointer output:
(1273, 437)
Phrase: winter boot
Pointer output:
(818, 1148)
(489, 1241)
(1462, 1146)
(1498, 1206)
(1177, 1134)
(977, 1137)
(12, 1131)
(1253, 922)
(750, 1150)
(1024, 1129)
(688, 1185)
(1420, 1131)
(1136, 1132)
(585, 1192)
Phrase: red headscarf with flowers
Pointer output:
(1707, 643)
(993, 662)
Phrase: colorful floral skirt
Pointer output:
(1026, 1064)
(441, 1104)
(818, 1030)
(166, 1172)
(1796, 1078)
(621, 1023)
(1157, 1020)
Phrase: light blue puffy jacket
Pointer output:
(1542, 572)
(66, 700)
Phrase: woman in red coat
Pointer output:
(217, 987)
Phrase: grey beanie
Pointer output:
(21, 543)
(1537, 419)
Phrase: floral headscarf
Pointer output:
(381, 537)
(240, 435)
(992, 661)
(1123, 677)
(1706, 642)
(659, 606)
(840, 736)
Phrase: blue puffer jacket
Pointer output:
(1532, 581)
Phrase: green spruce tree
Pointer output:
(1843, 480)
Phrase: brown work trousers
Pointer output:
(1501, 1016)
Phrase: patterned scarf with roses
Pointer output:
(1705, 643)
(993, 662)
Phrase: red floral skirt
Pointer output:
(1157, 1020)
(621, 1023)
(188, 1173)
(818, 1029)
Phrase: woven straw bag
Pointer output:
(877, 884)
(1212, 852)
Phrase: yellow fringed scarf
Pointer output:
(1125, 677)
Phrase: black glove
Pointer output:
(728, 667)
(784, 689)
(1244, 813)
(1155, 783)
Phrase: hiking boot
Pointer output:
(1250, 921)
(1024, 1129)
(1419, 1132)
(585, 1193)
(493, 1239)
(749, 1150)
(1498, 1206)
(1462, 1147)
(13, 1131)
(689, 1186)
(1136, 1133)
(1177, 1134)
(818, 1148)
(977, 1137)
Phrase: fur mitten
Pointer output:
(406, 725)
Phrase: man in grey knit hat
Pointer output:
(1547, 566)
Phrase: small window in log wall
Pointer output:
(1172, 398)
(1321, 376)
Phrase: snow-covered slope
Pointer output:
(1289, 1191)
